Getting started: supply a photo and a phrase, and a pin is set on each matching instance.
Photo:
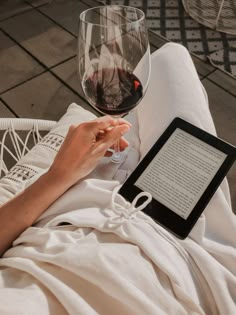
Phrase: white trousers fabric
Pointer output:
(103, 263)
(174, 91)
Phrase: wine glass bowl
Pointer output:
(113, 58)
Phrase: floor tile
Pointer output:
(44, 97)
(65, 13)
(203, 67)
(68, 72)
(38, 3)
(5, 112)
(223, 110)
(156, 40)
(12, 7)
(224, 80)
(152, 49)
(41, 37)
(16, 65)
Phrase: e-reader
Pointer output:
(181, 171)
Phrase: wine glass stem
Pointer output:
(117, 155)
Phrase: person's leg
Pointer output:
(174, 91)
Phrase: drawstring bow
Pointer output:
(125, 211)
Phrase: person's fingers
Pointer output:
(102, 133)
(117, 121)
(106, 122)
(101, 123)
(97, 125)
(103, 119)
(121, 121)
(110, 138)
(115, 134)
(123, 143)
(122, 146)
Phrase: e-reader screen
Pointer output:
(181, 171)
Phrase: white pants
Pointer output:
(174, 91)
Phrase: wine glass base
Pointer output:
(117, 157)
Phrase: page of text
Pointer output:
(181, 171)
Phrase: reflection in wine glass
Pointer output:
(114, 59)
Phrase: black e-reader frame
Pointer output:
(158, 211)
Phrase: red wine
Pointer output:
(113, 91)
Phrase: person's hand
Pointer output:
(85, 145)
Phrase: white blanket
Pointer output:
(112, 260)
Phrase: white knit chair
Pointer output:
(17, 137)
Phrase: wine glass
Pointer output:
(114, 59)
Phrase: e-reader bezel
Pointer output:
(156, 210)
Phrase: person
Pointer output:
(82, 148)
(102, 262)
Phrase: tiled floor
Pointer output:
(38, 78)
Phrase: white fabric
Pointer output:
(113, 260)
(41, 156)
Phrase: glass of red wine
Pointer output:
(114, 59)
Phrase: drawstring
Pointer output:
(126, 211)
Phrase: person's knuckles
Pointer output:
(94, 127)
(115, 134)
(85, 125)
(106, 118)
(122, 121)
(103, 121)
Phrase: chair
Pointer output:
(216, 14)
(17, 137)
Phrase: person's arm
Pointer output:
(82, 148)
